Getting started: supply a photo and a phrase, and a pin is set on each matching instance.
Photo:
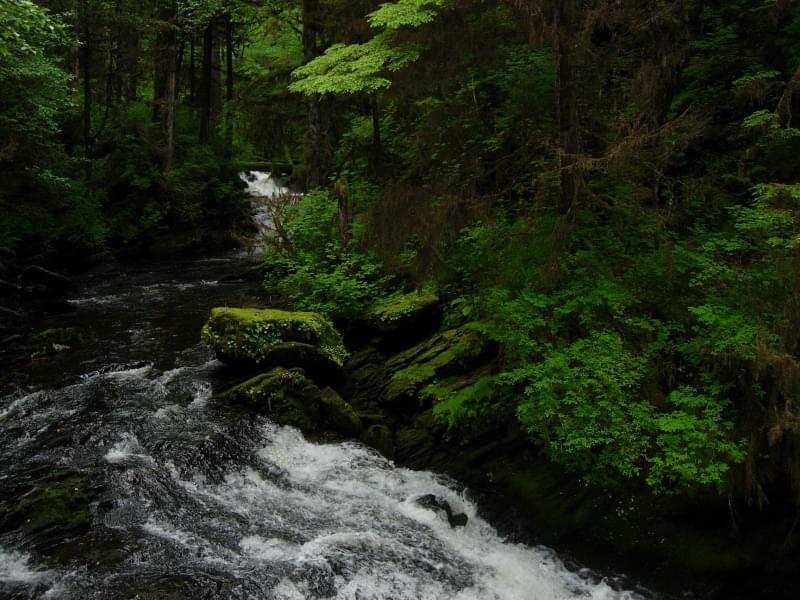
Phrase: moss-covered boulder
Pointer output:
(253, 339)
(286, 395)
(448, 353)
(396, 323)
(340, 416)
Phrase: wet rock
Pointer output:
(403, 320)
(419, 442)
(287, 396)
(380, 438)
(8, 314)
(339, 415)
(53, 341)
(442, 507)
(253, 339)
(366, 375)
(52, 510)
(448, 353)
(38, 281)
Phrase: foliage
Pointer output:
(320, 275)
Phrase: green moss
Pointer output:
(56, 510)
(452, 352)
(339, 415)
(249, 334)
(400, 307)
(286, 395)
(468, 404)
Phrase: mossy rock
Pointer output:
(339, 415)
(36, 280)
(366, 376)
(252, 339)
(287, 396)
(380, 437)
(419, 442)
(403, 311)
(453, 352)
(53, 341)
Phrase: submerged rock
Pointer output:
(52, 510)
(442, 507)
(252, 339)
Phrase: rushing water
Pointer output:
(191, 498)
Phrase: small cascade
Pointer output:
(269, 199)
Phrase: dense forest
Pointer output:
(608, 191)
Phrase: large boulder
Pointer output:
(286, 395)
(254, 339)
(402, 320)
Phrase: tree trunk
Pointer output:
(313, 141)
(85, 62)
(130, 65)
(342, 193)
(377, 145)
(566, 104)
(192, 74)
(205, 84)
(229, 86)
(171, 100)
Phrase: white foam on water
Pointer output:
(169, 532)
(359, 518)
(201, 395)
(261, 184)
(123, 373)
(128, 450)
(20, 403)
(272, 550)
(97, 300)
(16, 568)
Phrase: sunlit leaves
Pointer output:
(365, 68)
(349, 69)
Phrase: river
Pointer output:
(178, 495)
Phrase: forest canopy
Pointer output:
(608, 189)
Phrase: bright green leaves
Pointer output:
(693, 442)
(34, 87)
(405, 13)
(585, 405)
(317, 273)
(364, 68)
(771, 217)
(580, 402)
(25, 28)
(354, 68)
